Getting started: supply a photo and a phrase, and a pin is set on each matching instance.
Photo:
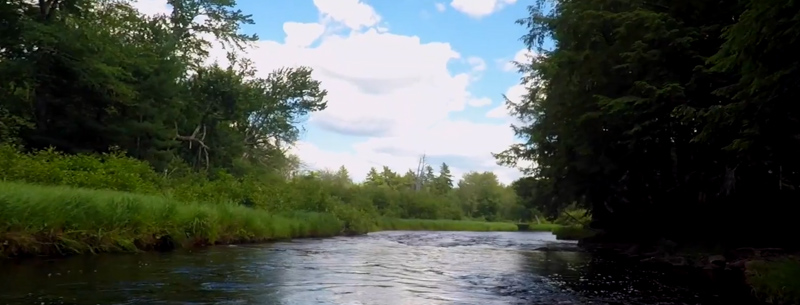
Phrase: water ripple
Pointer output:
(384, 268)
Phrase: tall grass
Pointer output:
(387, 224)
(775, 281)
(46, 220)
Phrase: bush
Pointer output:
(111, 171)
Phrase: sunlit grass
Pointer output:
(549, 227)
(46, 220)
(386, 224)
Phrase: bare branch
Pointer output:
(203, 151)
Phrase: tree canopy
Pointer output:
(89, 76)
(665, 118)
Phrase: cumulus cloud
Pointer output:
(302, 34)
(477, 63)
(522, 56)
(440, 7)
(480, 8)
(395, 90)
(352, 13)
(449, 141)
(480, 102)
(514, 94)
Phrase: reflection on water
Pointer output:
(382, 268)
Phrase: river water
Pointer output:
(384, 268)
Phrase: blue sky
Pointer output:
(404, 77)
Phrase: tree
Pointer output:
(89, 76)
(429, 178)
(667, 121)
(482, 195)
(374, 178)
(443, 183)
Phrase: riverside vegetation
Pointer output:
(674, 123)
(55, 203)
(120, 131)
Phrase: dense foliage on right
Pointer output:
(666, 119)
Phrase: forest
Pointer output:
(664, 118)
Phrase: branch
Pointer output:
(203, 152)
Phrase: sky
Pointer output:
(404, 78)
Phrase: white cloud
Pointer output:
(440, 7)
(522, 56)
(152, 7)
(394, 89)
(480, 8)
(460, 139)
(352, 13)
(302, 34)
(477, 63)
(480, 102)
(515, 94)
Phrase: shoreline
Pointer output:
(11, 248)
(53, 221)
(758, 275)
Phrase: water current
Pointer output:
(384, 268)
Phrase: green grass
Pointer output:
(775, 281)
(51, 220)
(571, 232)
(562, 232)
(545, 227)
(388, 224)
(61, 220)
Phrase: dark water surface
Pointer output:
(383, 268)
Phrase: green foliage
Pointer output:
(111, 171)
(67, 220)
(650, 113)
(573, 217)
(775, 281)
(572, 232)
(64, 204)
(99, 76)
(545, 227)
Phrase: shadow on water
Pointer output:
(384, 268)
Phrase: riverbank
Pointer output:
(562, 232)
(769, 275)
(388, 224)
(55, 220)
(59, 220)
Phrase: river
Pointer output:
(383, 268)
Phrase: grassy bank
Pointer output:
(53, 203)
(562, 232)
(387, 224)
(61, 220)
(775, 281)
(54, 220)
(571, 232)
(543, 227)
